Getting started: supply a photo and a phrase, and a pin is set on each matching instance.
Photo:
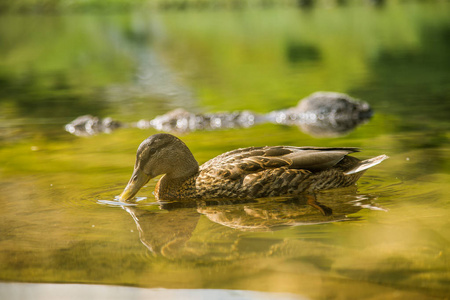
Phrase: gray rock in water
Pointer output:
(180, 120)
(324, 114)
(88, 125)
(334, 106)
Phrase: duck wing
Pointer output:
(241, 162)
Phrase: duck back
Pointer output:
(273, 171)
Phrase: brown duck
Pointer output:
(253, 172)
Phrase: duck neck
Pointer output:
(179, 188)
(179, 179)
(180, 163)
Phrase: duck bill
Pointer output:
(137, 181)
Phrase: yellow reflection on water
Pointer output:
(389, 238)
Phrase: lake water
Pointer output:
(389, 237)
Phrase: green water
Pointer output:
(388, 238)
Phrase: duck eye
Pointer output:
(152, 151)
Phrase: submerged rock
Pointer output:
(333, 105)
(180, 120)
(88, 125)
(324, 114)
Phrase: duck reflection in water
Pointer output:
(167, 232)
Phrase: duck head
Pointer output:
(159, 154)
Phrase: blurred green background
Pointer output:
(136, 60)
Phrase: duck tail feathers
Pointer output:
(365, 164)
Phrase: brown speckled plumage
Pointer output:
(253, 172)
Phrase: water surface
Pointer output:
(388, 237)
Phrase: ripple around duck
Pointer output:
(392, 192)
(383, 187)
(139, 202)
(110, 197)
(116, 201)
(369, 189)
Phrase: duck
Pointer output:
(246, 173)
